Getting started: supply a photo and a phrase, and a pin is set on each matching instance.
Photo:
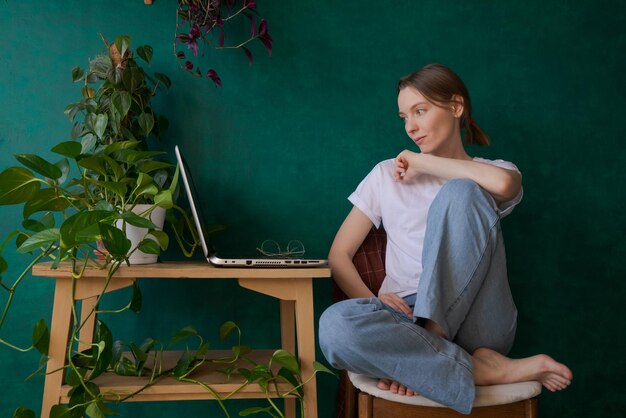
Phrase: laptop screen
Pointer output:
(192, 194)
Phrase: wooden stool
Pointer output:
(516, 400)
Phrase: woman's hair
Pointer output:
(439, 84)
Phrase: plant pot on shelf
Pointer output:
(136, 234)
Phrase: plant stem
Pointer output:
(17, 282)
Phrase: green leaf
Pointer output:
(82, 227)
(138, 221)
(288, 360)
(120, 145)
(117, 350)
(133, 156)
(100, 125)
(64, 166)
(132, 78)
(146, 122)
(121, 101)
(138, 353)
(23, 413)
(104, 205)
(60, 411)
(88, 143)
(77, 73)
(137, 300)
(174, 183)
(148, 190)
(122, 43)
(45, 200)
(263, 384)
(41, 337)
(117, 169)
(78, 130)
(93, 411)
(17, 185)
(3, 265)
(88, 92)
(94, 164)
(75, 376)
(114, 241)
(149, 166)
(185, 332)
(164, 199)
(40, 239)
(105, 409)
(319, 367)
(69, 149)
(145, 52)
(202, 350)
(33, 225)
(149, 246)
(245, 373)
(163, 79)
(20, 240)
(72, 109)
(104, 341)
(162, 238)
(125, 367)
(115, 187)
(292, 379)
(182, 366)
(227, 328)
(39, 165)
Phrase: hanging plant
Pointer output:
(214, 24)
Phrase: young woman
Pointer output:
(444, 318)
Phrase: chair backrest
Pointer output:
(369, 261)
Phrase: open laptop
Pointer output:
(208, 249)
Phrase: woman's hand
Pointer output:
(406, 165)
(396, 302)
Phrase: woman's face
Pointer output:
(434, 129)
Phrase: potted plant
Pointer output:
(87, 197)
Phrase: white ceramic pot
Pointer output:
(136, 234)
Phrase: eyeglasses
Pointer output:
(271, 248)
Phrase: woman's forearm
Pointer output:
(501, 183)
(347, 277)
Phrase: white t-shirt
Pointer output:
(403, 208)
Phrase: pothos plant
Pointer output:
(85, 198)
(205, 24)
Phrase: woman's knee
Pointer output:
(461, 190)
(463, 195)
(342, 328)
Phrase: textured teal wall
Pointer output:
(283, 143)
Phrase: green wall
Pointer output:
(283, 143)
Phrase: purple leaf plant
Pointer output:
(209, 23)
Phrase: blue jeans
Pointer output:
(463, 288)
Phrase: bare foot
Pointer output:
(394, 387)
(492, 368)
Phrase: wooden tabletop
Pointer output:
(185, 269)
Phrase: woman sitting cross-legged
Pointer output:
(444, 318)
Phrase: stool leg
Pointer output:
(366, 405)
(349, 396)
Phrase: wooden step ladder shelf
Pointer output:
(292, 286)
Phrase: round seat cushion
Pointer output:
(485, 395)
